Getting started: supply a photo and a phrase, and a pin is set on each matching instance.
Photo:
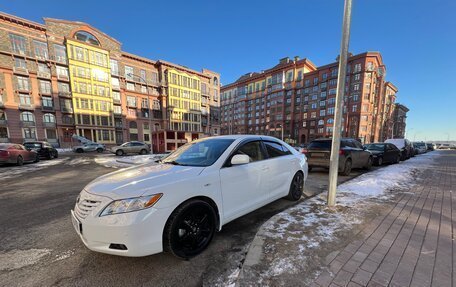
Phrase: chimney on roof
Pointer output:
(296, 58)
(284, 60)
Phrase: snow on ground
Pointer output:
(64, 150)
(15, 171)
(16, 259)
(294, 233)
(127, 161)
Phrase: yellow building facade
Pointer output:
(91, 85)
(184, 101)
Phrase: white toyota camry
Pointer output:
(178, 204)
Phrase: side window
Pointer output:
(253, 150)
(275, 149)
(346, 143)
(357, 144)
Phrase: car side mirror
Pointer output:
(240, 159)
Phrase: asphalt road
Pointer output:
(38, 246)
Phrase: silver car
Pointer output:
(88, 147)
(131, 147)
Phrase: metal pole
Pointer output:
(334, 163)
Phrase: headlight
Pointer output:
(131, 204)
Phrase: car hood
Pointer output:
(140, 180)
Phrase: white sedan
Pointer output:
(178, 204)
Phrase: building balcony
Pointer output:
(28, 107)
(131, 105)
(4, 140)
(48, 125)
(27, 124)
(115, 87)
(116, 101)
(47, 108)
(43, 75)
(65, 94)
(67, 110)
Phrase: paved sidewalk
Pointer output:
(411, 244)
(392, 227)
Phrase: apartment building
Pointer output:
(398, 121)
(64, 77)
(296, 100)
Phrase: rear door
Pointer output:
(362, 155)
(277, 177)
(349, 148)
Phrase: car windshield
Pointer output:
(200, 153)
(32, 145)
(125, 144)
(380, 147)
(320, 145)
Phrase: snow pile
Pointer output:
(296, 232)
(9, 171)
(16, 259)
(127, 161)
(64, 150)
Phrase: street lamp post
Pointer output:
(281, 128)
(148, 106)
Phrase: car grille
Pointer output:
(85, 206)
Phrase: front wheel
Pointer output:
(379, 161)
(37, 158)
(119, 152)
(99, 150)
(143, 151)
(296, 187)
(368, 166)
(190, 229)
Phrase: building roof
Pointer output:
(182, 68)
(22, 21)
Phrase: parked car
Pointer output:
(404, 145)
(88, 147)
(384, 153)
(430, 146)
(44, 149)
(420, 147)
(17, 154)
(131, 147)
(351, 155)
(180, 203)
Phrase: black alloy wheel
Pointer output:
(37, 158)
(99, 150)
(143, 151)
(296, 187)
(190, 229)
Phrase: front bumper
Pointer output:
(140, 231)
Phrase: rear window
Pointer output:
(275, 149)
(320, 145)
(32, 145)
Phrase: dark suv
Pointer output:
(351, 155)
(44, 149)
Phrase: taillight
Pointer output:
(304, 151)
(4, 153)
(341, 152)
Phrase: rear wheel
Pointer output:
(56, 155)
(79, 150)
(347, 167)
(99, 150)
(119, 152)
(190, 229)
(398, 158)
(143, 151)
(368, 166)
(296, 187)
(49, 155)
(37, 158)
(19, 161)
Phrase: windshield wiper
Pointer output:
(173, 162)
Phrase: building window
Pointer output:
(357, 68)
(365, 108)
(41, 49)
(44, 69)
(49, 118)
(215, 95)
(357, 77)
(356, 98)
(27, 117)
(322, 113)
(117, 110)
(51, 134)
(322, 103)
(116, 96)
(62, 72)
(215, 82)
(313, 106)
(25, 99)
(354, 108)
(131, 101)
(130, 86)
(330, 111)
(45, 87)
(29, 133)
(47, 102)
(313, 115)
(144, 89)
(129, 73)
(60, 53)
(115, 83)
(20, 63)
(114, 67)
(18, 44)
(356, 87)
(87, 38)
(142, 73)
(3, 132)
(23, 84)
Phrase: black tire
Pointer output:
(143, 151)
(19, 161)
(49, 155)
(190, 229)
(379, 161)
(56, 155)
(398, 159)
(79, 150)
(368, 166)
(347, 167)
(119, 152)
(99, 150)
(296, 187)
(37, 158)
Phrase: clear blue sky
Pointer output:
(416, 38)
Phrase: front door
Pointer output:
(242, 188)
